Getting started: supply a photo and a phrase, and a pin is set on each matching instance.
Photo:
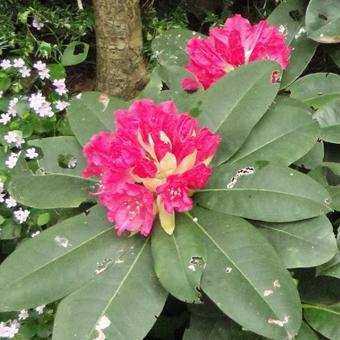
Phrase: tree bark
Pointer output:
(121, 71)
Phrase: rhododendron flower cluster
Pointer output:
(237, 43)
(152, 164)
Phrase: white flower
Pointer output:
(23, 314)
(19, 63)
(40, 309)
(2, 197)
(21, 215)
(31, 153)
(36, 100)
(5, 64)
(12, 106)
(37, 24)
(12, 160)
(5, 118)
(60, 86)
(39, 65)
(44, 74)
(10, 202)
(14, 137)
(40, 105)
(9, 329)
(25, 72)
(35, 233)
(61, 105)
(1, 94)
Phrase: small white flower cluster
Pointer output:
(14, 137)
(21, 215)
(40, 105)
(60, 86)
(9, 329)
(43, 70)
(12, 160)
(17, 63)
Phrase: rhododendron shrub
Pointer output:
(236, 43)
(220, 198)
(151, 164)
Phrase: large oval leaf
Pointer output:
(289, 17)
(245, 277)
(51, 191)
(306, 243)
(328, 117)
(332, 268)
(179, 259)
(316, 89)
(284, 134)
(265, 192)
(90, 113)
(58, 261)
(120, 303)
(236, 103)
(60, 155)
(324, 319)
(323, 21)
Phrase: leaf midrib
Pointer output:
(234, 264)
(58, 257)
(125, 277)
(275, 139)
(241, 98)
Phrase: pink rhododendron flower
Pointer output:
(237, 43)
(151, 165)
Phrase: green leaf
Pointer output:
(233, 106)
(289, 17)
(265, 192)
(313, 158)
(169, 47)
(306, 333)
(284, 134)
(303, 50)
(43, 219)
(332, 268)
(324, 319)
(328, 117)
(57, 71)
(10, 231)
(323, 21)
(71, 57)
(120, 303)
(179, 259)
(245, 278)
(50, 191)
(59, 260)
(306, 243)
(54, 149)
(92, 112)
(5, 81)
(334, 53)
(316, 89)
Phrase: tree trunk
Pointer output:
(121, 71)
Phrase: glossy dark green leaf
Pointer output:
(122, 302)
(323, 21)
(179, 259)
(245, 278)
(55, 150)
(51, 191)
(284, 134)
(313, 158)
(233, 106)
(288, 16)
(59, 260)
(265, 192)
(92, 112)
(306, 333)
(306, 243)
(324, 319)
(316, 89)
(328, 117)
